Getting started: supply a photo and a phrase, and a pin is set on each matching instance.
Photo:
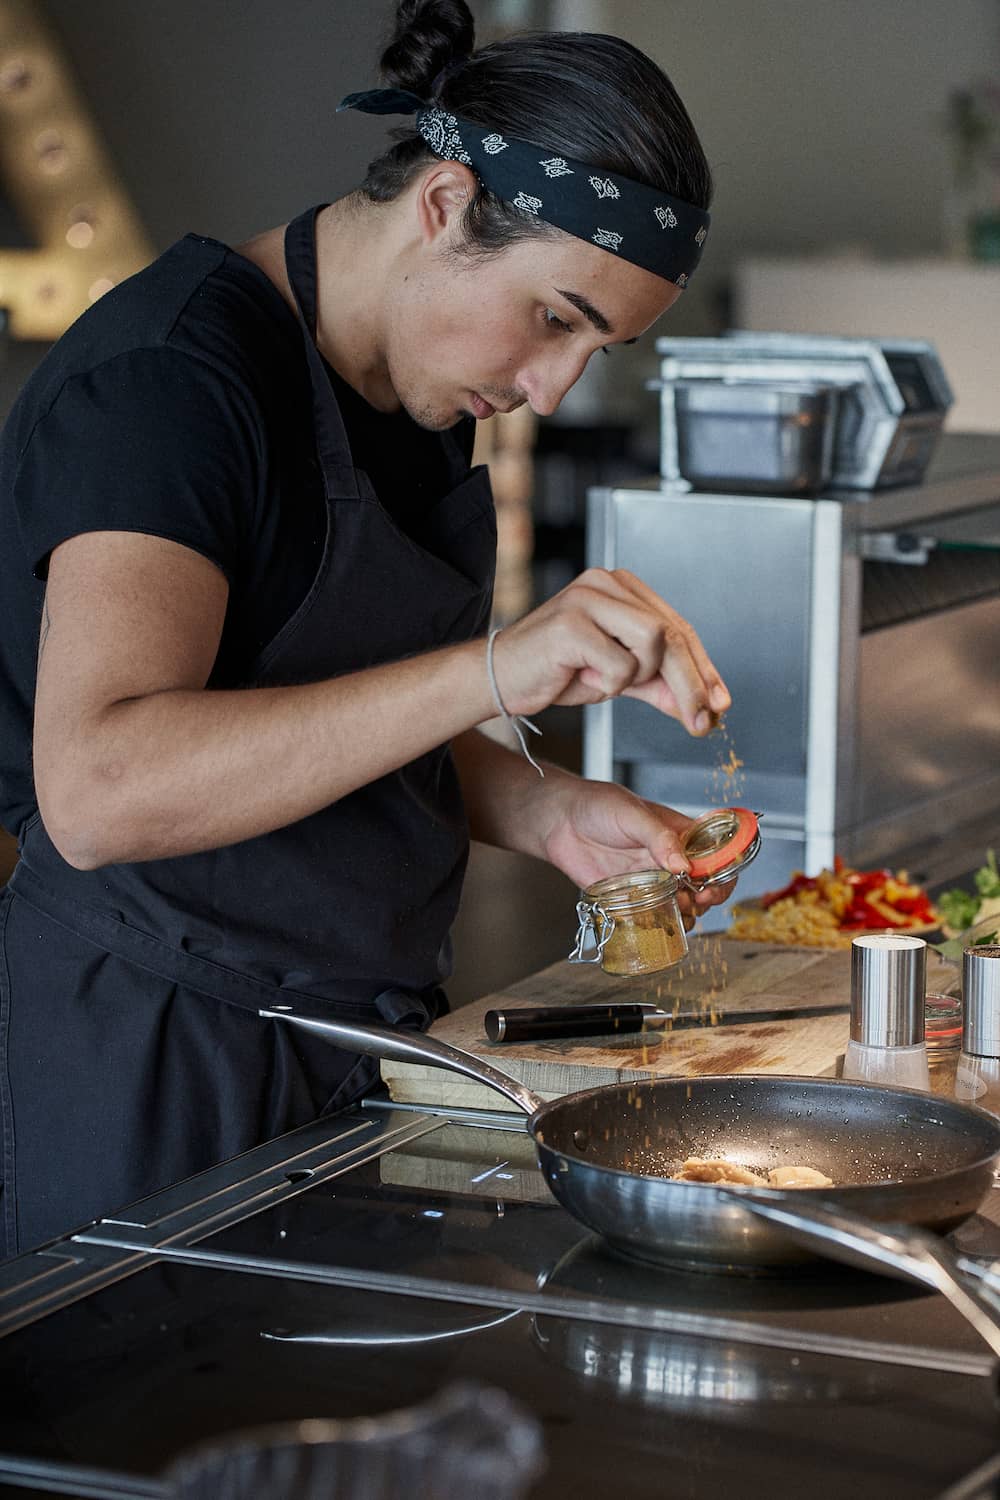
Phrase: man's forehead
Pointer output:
(619, 300)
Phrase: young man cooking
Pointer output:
(240, 536)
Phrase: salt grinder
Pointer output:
(888, 983)
(977, 1078)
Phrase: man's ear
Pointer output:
(444, 193)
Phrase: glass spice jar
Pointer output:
(943, 1039)
(631, 924)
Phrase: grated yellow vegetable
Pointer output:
(812, 916)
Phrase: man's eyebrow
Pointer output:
(588, 309)
(591, 313)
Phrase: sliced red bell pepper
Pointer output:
(866, 881)
(799, 883)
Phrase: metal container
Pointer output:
(981, 992)
(754, 437)
(888, 983)
(894, 396)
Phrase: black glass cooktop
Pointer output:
(429, 1252)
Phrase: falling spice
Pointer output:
(727, 781)
(727, 786)
(731, 765)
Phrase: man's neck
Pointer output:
(351, 304)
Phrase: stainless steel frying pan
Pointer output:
(895, 1155)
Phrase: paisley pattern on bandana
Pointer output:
(441, 132)
(608, 239)
(629, 219)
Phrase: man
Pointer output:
(239, 523)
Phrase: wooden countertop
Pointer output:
(718, 974)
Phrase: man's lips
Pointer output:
(481, 409)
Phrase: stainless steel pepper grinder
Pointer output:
(977, 1078)
(888, 985)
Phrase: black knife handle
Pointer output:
(526, 1023)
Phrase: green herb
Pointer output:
(988, 877)
(958, 908)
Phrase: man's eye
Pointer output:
(554, 321)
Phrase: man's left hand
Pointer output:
(602, 829)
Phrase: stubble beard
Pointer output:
(431, 418)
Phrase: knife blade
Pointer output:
(525, 1023)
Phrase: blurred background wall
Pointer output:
(823, 118)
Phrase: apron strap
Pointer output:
(332, 445)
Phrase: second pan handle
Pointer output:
(911, 1252)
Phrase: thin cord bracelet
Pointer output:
(513, 720)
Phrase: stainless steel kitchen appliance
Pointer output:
(761, 438)
(859, 634)
(893, 398)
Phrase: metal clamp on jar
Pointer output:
(632, 924)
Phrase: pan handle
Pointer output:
(411, 1047)
(913, 1253)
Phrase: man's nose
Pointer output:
(546, 383)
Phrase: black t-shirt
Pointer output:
(180, 406)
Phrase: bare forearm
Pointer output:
(182, 770)
(135, 759)
(508, 804)
(586, 829)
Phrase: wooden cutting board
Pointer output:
(718, 974)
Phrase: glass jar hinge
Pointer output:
(597, 925)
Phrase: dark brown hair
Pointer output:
(590, 97)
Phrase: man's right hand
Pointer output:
(608, 634)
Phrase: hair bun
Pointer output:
(429, 34)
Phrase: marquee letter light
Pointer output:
(58, 178)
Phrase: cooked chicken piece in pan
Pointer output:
(788, 1177)
(717, 1169)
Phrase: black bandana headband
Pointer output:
(626, 218)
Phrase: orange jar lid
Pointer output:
(721, 842)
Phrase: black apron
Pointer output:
(131, 1052)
